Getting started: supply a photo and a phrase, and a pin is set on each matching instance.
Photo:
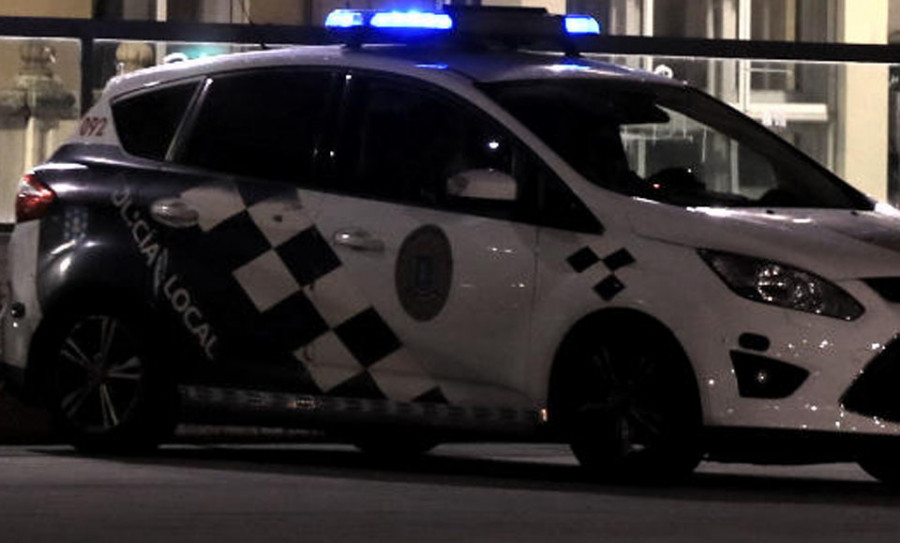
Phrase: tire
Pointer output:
(882, 464)
(107, 393)
(395, 446)
(628, 405)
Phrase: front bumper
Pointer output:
(780, 446)
(876, 391)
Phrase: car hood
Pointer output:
(839, 244)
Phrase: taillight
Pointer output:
(34, 198)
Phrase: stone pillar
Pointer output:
(131, 56)
(862, 103)
(30, 108)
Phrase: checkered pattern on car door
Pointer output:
(288, 274)
(587, 259)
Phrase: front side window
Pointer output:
(408, 144)
(670, 144)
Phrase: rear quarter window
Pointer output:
(147, 122)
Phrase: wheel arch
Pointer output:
(614, 322)
(64, 304)
(147, 410)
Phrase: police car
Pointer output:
(454, 238)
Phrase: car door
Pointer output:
(450, 278)
(234, 231)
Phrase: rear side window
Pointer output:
(146, 123)
(265, 124)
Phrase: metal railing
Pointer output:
(88, 31)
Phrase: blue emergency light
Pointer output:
(429, 21)
(581, 24)
(344, 18)
(413, 20)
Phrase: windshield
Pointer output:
(670, 144)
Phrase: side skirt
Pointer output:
(215, 405)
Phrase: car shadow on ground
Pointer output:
(524, 472)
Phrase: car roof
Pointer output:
(479, 66)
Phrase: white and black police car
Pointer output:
(454, 238)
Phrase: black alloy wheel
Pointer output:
(630, 408)
(105, 396)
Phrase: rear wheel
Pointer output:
(106, 393)
(395, 445)
(628, 404)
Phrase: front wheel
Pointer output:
(882, 464)
(629, 406)
(107, 394)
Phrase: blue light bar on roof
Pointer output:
(582, 24)
(507, 25)
(412, 19)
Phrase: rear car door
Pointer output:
(227, 221)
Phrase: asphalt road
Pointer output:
(460, 494)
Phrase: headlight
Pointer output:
(782, 285)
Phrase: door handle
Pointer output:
(357, 239)
(174, 212)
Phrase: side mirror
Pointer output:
(483, 184)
